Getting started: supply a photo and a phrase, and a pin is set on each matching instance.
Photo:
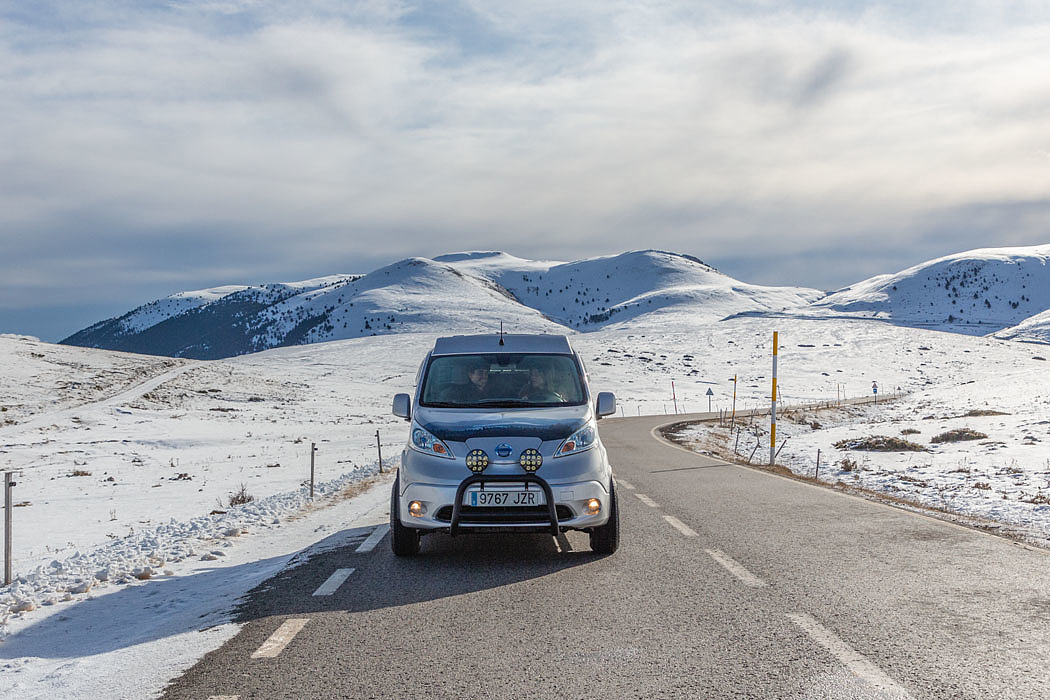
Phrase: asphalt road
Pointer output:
(729, 582)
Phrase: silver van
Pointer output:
(503, 438)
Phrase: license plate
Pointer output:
(504, 498)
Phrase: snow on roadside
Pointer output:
(999, 473)
(112, 468)
(154, 551)
(128, 641)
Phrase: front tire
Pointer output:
(403, 540)
(606, 539)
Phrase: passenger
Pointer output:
(539, 388)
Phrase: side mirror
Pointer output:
(402, 406)
(606, 404)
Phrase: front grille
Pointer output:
(484, 515)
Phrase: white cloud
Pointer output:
(554, 129)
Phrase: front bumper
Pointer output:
(565, 507)
(496, 515)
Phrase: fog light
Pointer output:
(594, 506)
(416, 509)
(530, 460)
(477, 461)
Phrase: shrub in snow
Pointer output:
(239, 498)
(880, 443)
(958, 435)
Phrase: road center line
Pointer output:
(646, 500)
(334, 581)
(850, 657)
(369, 544)
(680, 526)
(280, 639)
(735, 568)
(626, 484)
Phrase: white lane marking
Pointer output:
(646, 500)
(224, 697)
(334, 582)
(680, 526)
(853, 659)
(369, 544)
(626, 484)
(280, 639)
(735, 568)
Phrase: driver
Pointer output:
(476, 386)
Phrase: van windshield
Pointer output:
(503, 380)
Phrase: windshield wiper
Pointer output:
(505, 403)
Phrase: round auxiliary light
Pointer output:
(477, 461)
(530, 460)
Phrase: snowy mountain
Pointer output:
(1033, 330)
(457, 293)
(596, 292)
(977, 292)
(416, 295)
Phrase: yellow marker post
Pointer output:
(773, 405)
(734, 400)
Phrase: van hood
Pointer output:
(459, 425)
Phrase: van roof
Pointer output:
(468, 344)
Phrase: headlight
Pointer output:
(423, 441)
(582, 439)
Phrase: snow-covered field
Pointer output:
(994, 389)
(119, 475)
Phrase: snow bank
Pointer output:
(148, 553)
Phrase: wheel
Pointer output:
(606, 539)
(403, 540)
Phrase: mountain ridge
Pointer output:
(454, 293)
(981, 292)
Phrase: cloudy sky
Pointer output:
(153, 147)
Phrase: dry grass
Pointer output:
(958, 435)
(880, 443)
